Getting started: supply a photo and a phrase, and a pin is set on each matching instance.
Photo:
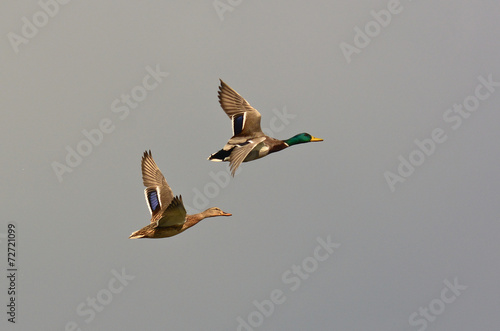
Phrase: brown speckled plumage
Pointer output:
(168, 215)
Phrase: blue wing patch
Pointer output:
(153, 200)
(238, 124)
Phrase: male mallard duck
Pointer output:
(248, 141)
(168, 215)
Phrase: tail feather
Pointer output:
(136, 235)
(221, 155)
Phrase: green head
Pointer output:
(301, 138)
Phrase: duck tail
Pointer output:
(220, 156)
(136, 235)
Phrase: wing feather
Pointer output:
(153, 200)
(174, 214)
(234, 104)
(152, 177)
(240, 152)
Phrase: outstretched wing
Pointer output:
(158, 193)
(245, 118)
(241, 151)
(174, 214)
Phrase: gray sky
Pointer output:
(405, 186)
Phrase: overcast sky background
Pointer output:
(397, 249)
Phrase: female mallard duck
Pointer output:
(248, 141)
(168, 215)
